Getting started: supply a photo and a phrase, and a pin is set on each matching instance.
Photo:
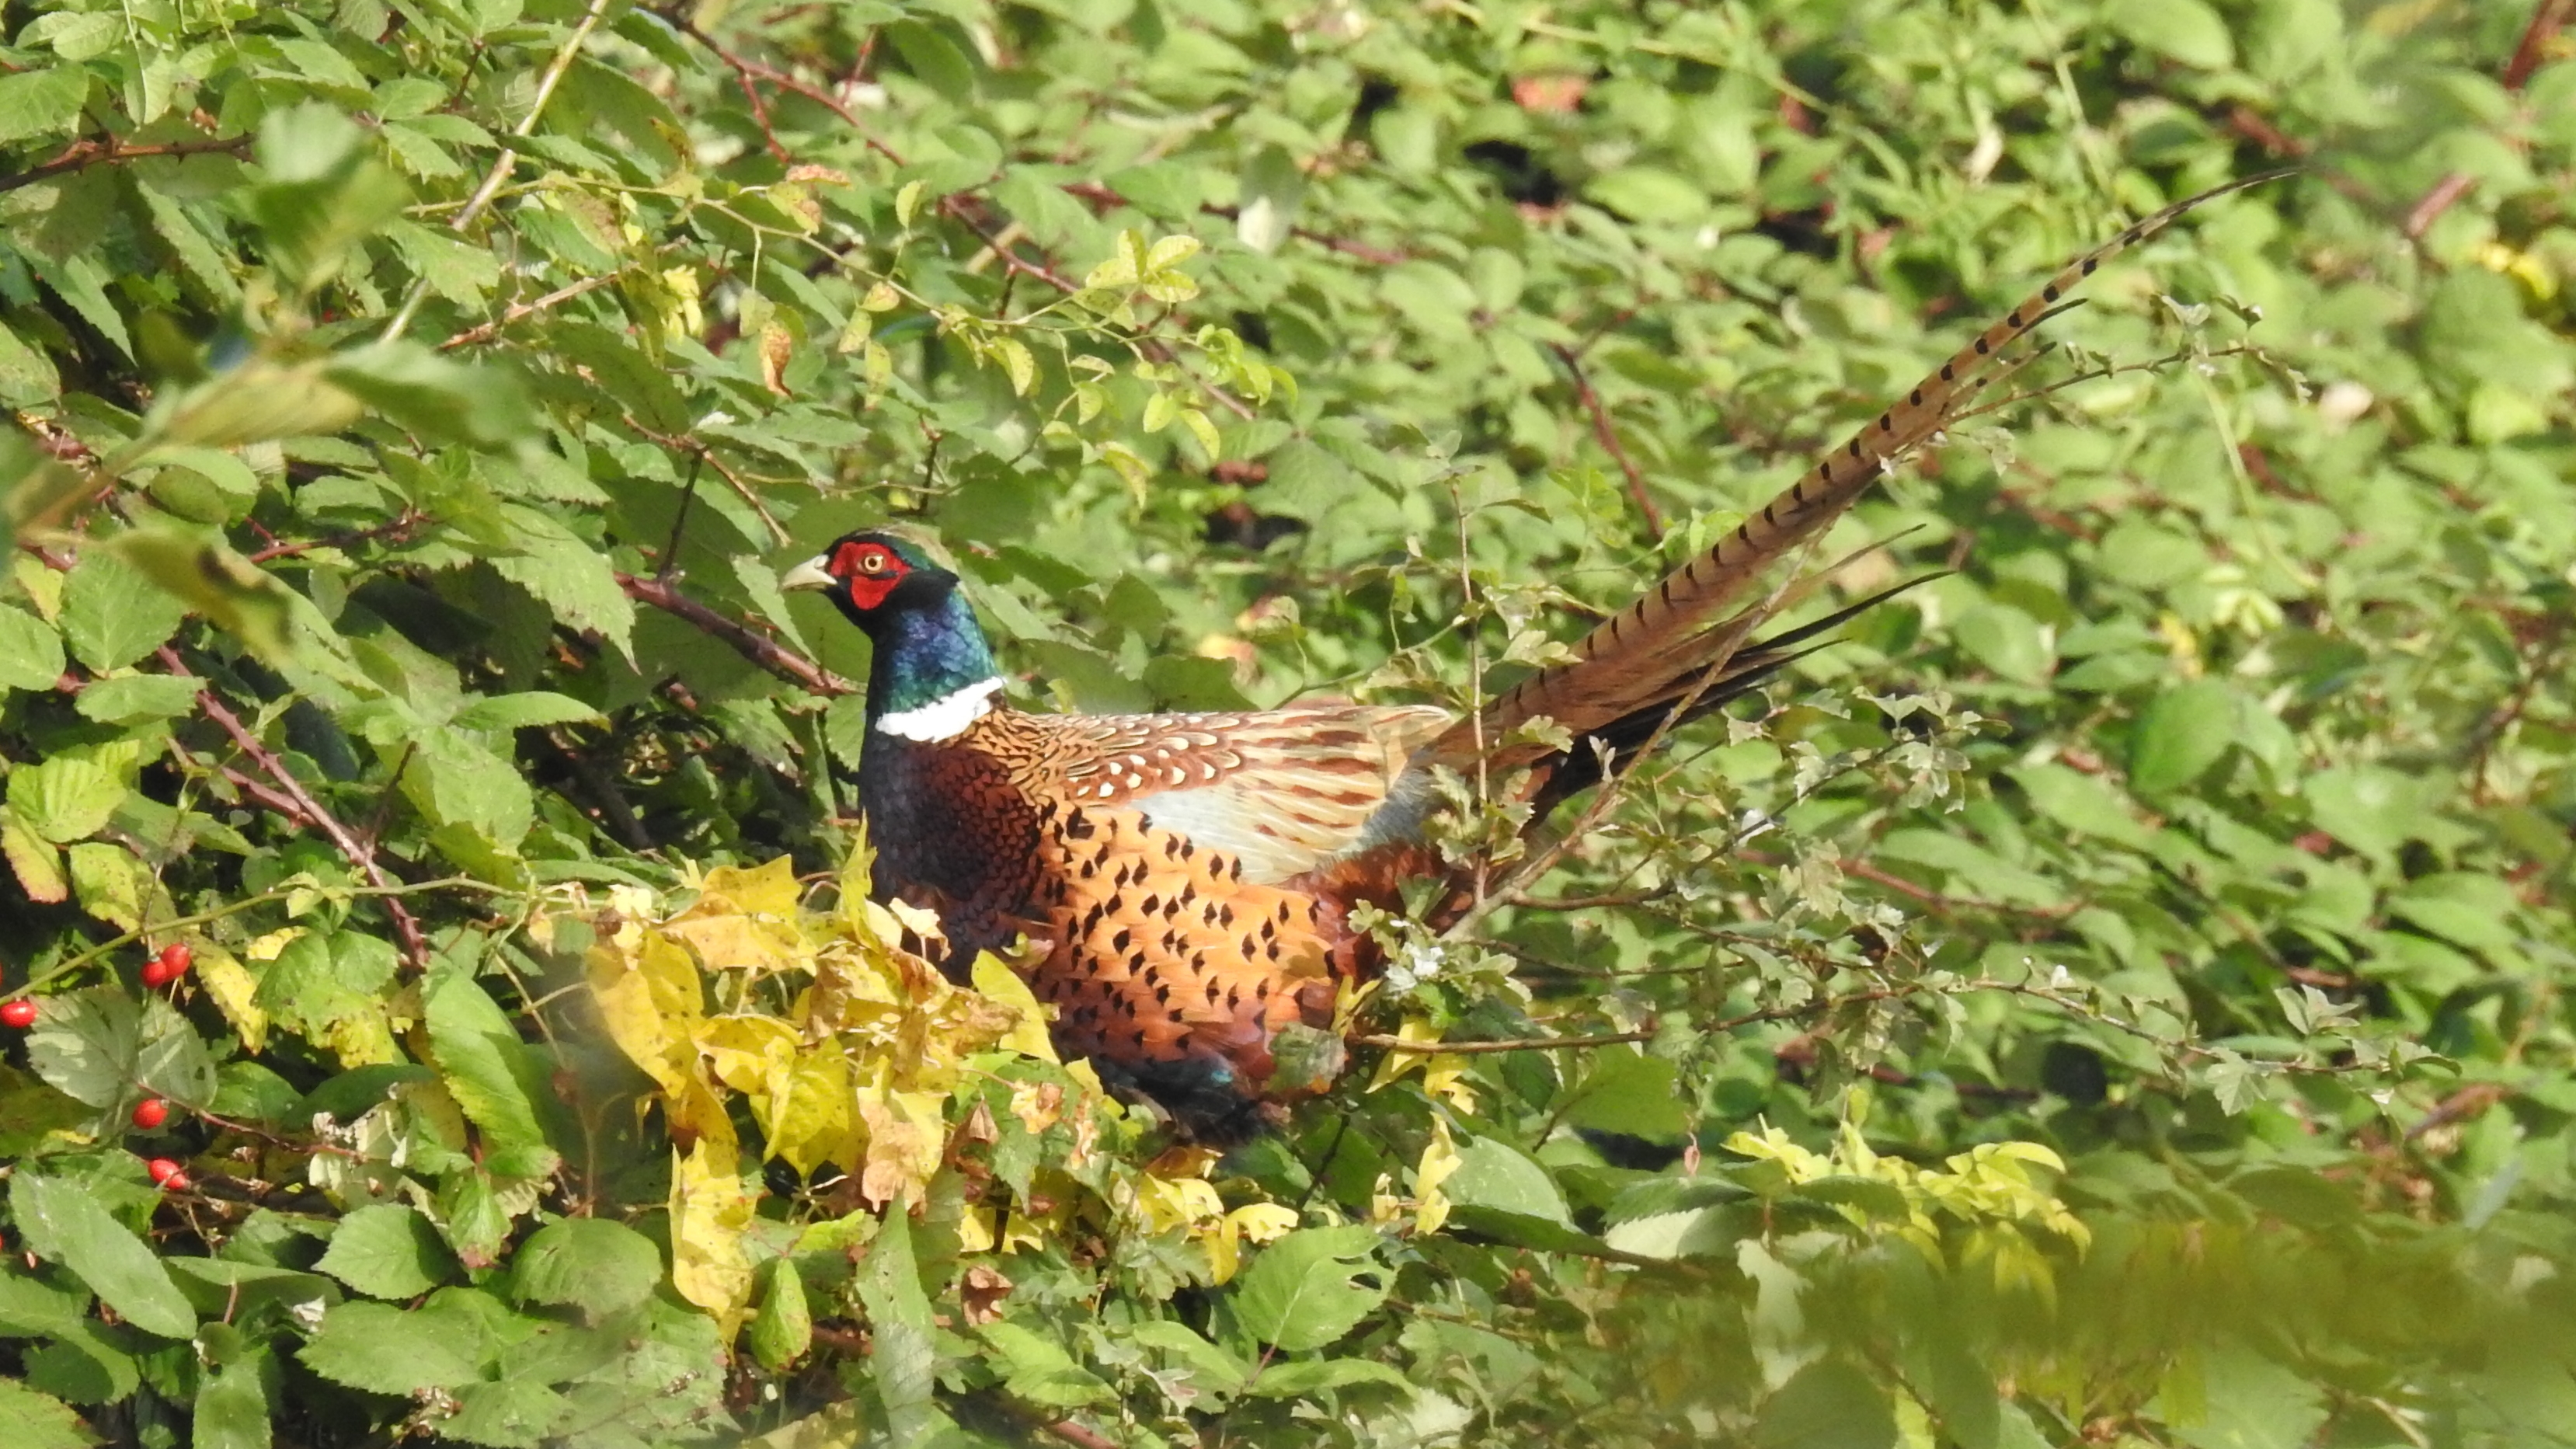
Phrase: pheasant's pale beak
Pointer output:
(811, 574)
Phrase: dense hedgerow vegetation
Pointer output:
(2114, 997)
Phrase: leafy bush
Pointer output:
(2112, 996)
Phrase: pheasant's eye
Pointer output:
(873, 561)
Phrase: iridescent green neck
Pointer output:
(926, 655)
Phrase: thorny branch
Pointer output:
(100, 150)
(750, 643)
(293, 800)
(1609, 439)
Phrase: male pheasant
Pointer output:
(1183, 881)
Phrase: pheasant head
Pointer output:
(931, 674)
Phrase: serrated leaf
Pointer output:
(384, 1350)
(113, 614)
(207, 576)
(41, 102)
(902, 1365)
(525, 711)
(1311, 1287)
(30, 1420)
(487, 1067)
(63, 1221)
(31, 653)
(387, 1250)
(64, 798)
(136, 698)
(592, 1264)
(1313, 1376)
(102, 1047)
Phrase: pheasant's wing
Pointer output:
(1284, 790)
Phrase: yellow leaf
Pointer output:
(1400, 1060)
(1029, 1037)
(811, 1122)
(1264, 1222)
(235, 993)
(907, 203)
(1170, 252)
(1203, 430)
(709, 1211)
(1439, 1159)
(976, 1232)
(904, 1140)
(649, 1001)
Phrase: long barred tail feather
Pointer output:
(1671, 640)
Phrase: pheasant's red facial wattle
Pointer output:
(871, 570)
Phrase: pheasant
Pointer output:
(1184, 882)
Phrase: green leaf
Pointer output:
(1497, 1176)
(436, 397)
(1627, 1092)
(477, 1051)
(1299, 1379)
(902, 1365)
(1311, 1287)
(2083, 804)
(232, 1410)
(103, 1047)
(514, 1413)
(387, 1250)
(1037, 1370)
(1829, 1404)
(44, 102)
(27, 378)
(31, 653)
(2186, 30)
(2181, 733)
(30, 1420)
(2005, 640)
(112, 614)
(138, 698)
(65, 1222)
(205, 575)
(382, 1349)
(526, 711)
(1647, 193)
(783, 1330)
(572, 579)
(592, 1264)
(65, 798)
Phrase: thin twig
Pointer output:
(2546, 18)
(1517, 1044)
(508, 160)
(415, 948)
(750, 643)
(1609, 438)
(477, 336)
(101, 150)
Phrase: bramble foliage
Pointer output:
(2114, 996)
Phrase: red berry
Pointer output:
(19, 1014)
(150, 1113)
(154, 976)
(174, 960)
(167, 1174)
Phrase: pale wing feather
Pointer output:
(1283, 790)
